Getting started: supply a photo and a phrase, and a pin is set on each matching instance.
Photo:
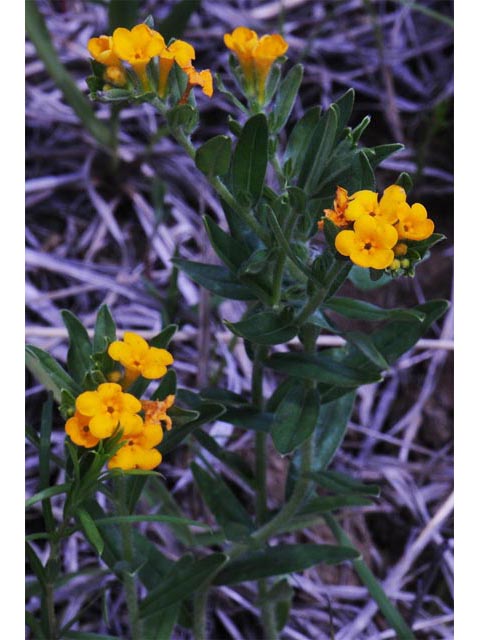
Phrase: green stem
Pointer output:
(129, 581)
(282, 258)
(260, 437)
(200, 614)
(267, 612)
(319, 296)
(391, 613)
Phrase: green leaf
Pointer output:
(295, 418)
(182, 582)
(47, 493)
(176, 21)
(249, 162)
(123, 13)
(362, 176)
(281, 559)
(378, 154)
(233, 460)
(360, 128)
(217, 279)
(183, 116)
(362, 280)
(404, 180)
(40, 37)
(299, 139)
(318, 152)
(49, 373)
(161, 626)
(80, 348)
(213, 157)
(344, 110)
(229, 512)
(360, 310)
(232, 252)
(322, 368)
(162, 339)
(101, 522)
(247, 417)
(83, 635)
(325, 504)
(367, 346)
(167, 386)
(265, 328)
(90, 530)
(36, 565)
(185, 422)
(44, 460)
(285, 98)
(342, 483)
(105, 329)
(422, 246)
(330, 430)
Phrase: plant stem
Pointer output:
(280, 265)
(200, 614)
(319, 296)
(260, 437)
(129, 581)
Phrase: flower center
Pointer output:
(367, 246)
(86, 428)
(110, 409)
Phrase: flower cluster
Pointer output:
(375, 233)
(108, 410)
(139, 47)
(256, 57)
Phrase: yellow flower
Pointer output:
(369, 244)
(413, 223)
(156, 411)
(139, 358)
(115, 75)
(202, 79)
(180, 52)
(108, 408)
(256, 56)
(337, 214)
(101, 50)
(79, 431)
(366, 203)
(138, 46)
(138, 450)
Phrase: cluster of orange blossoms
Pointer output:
(256, 56)
(374, 232)
(101, 413)
(137, 47)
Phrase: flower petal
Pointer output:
(345, 242)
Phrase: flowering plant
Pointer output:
(289, 245)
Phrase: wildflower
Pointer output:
(400, 249)
(139, 358)
(77, 427)
(137, 47)
(108, 408)
(337, 214)
(369, 244)
(138, 451)
(101, 50)
(256, 56)
(115, 75)
(413, 223)
(201, 78)
(156, 411)
(180, 52)
(366, 203)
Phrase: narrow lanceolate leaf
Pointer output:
(229, 512)
(181, 583)
(232, 252)
(344, 106)
(300, 139)
(162, 339)
(331, 427)
(283, 558)
(360, 310)
(80, 348)
(286, 96)
(213, 157)
(47, 493)
(90, 530)
(377, 155)
(367, 346)
(217, 279)
(185, 422)
(249, 162)
(343, 483)
(325, 504)
(49, 373)
(321, 368)
(105, 329)
(318, 152)
(265, 328)
(295, 418)
(123, 13)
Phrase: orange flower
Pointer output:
(369, 244)
(337, 214)
(156, 411)
(79, 431)
(180, 52)
(366, 203)
(139, 358)
(137, 47)
(256, 56)
(101, 50)
(413, 223)
(201, 78)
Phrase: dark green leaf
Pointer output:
(360, 128)
(162, 339)
(105, 330)
(286, 96)
(344, 110)
(342, 483)
(299, 139)
(123, 13)
(318, 152)
(295, 418)
(247, 417)
(325, 504)
(213, 157)
(214, 278)
(230, 514)
(249, 162)
(80, 348)
(377, 155)
(232, 252)
(47, 493)
(362, 280)
(176, 21)
(187, 578)
(281, 559)
(90, 530)
(367, 346)
(84, 635)
(265, 328)
(321, 368)
(330, 430)
(360, 310)
(49, 373)
(404, 180)
(161, 626)
(233, 460)
(183, 116)
(167, 386)
(185, 422)
(362, 176)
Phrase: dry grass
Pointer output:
(96, 236)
